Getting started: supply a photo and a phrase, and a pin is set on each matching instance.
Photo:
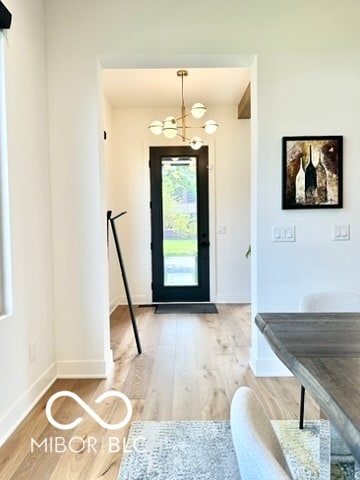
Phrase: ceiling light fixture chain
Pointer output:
(172, 127)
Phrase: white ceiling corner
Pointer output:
(215, 87)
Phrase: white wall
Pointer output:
(305, 88)
(31, 318)
(232, 200)
(229, 185)
(110, 172)
(79, 212)
(301, 56)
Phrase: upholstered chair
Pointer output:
(257, 447)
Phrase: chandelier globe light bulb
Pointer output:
(210, 126)
(169, 128)
(198, 110)
(196, 143)
(156, 127)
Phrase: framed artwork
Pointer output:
(312, 172)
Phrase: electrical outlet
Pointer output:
(32, 351)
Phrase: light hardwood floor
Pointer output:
(189, 370)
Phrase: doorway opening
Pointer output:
(131, 106)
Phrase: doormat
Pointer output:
(188, 308)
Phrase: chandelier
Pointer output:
(172, 127)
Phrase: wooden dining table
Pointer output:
(323, 351)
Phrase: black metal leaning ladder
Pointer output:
(123, 273)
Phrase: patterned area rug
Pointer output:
(203, 450)
(186, 450)
(307, 451)
(306, 463)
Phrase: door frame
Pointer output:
(199, 292)
(212, 233)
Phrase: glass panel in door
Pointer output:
(180, 235)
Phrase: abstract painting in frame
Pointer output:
(312, 172)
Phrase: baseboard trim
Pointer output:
(22, 407)
(268, 367)
(135, 300)
(232, 298)
(84, 369)
(69, 369)
(112, 307)
(219, 298)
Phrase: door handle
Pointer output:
(204, 244)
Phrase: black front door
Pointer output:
(179, 224)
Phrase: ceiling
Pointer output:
(215, 87)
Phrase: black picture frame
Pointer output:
(312, 172)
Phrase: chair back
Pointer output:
(257, 447)
(326, 302)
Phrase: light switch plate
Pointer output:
(283, 234)
(341, 232)
(221, 229)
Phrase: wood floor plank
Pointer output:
(203, 345)
(32, 427)
(138, 378)
(220, 338)
(158, 405)
(233, 371)
(210, 396)
(189, 370)
(42, 457)
(150, 326)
